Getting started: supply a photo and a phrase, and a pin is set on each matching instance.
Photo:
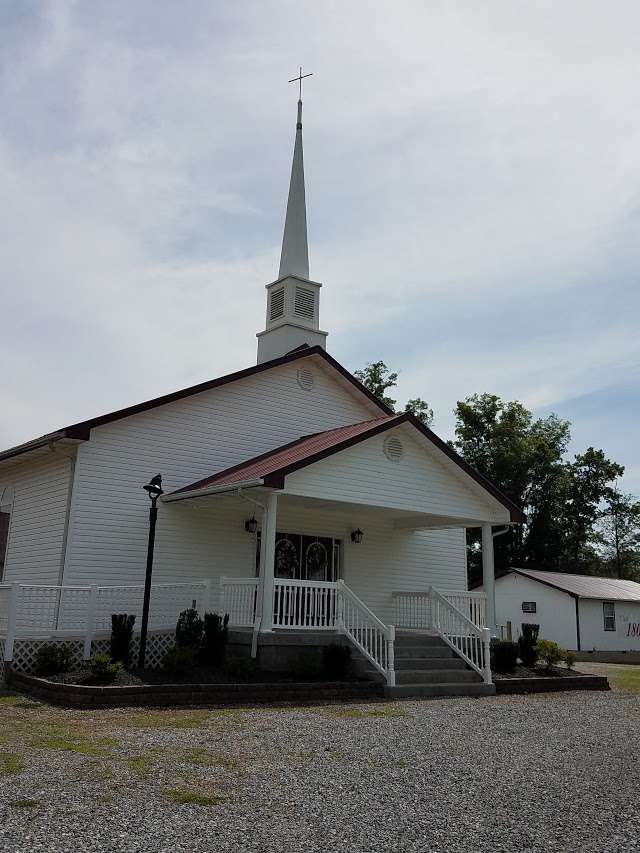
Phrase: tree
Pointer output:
(377, 377)
(617, 536)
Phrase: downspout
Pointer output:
(257, 619)
(578, 621)
(65, 530)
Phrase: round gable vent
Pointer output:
(393, 448)
(305, 379)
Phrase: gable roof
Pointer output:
(82, 430)
(272, 467)
(585, 586)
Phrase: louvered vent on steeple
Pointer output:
(276, 304)
(305, 302)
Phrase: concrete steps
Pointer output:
(426, 666)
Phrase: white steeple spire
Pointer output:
(294, 258)
(293, 300)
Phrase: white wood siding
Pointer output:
(555, 610)
(186, 441)
(423, 480)
(36, 532)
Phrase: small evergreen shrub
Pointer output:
(335, 661)
(549, 652)
(52, 659)
(103, 670)
(189, 629)
(121, 634)
(179, 659)
(527, 644)
(214, 640)
(505, 655)
(570, 659)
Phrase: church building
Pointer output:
(293, 499)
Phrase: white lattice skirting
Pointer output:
(25, 650)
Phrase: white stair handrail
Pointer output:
(468, 640)
(367, 632)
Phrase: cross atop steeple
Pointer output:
(300, 78)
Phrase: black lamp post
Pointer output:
(154, 489)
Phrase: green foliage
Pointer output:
(179, 659)
(525, 458)
(335, 661)
(570, 659)
(505, 655)
(617, 536)
(420, 409)
(121, 634)
(527, 644)
(377, 377)
(52, 659)
(550, 652)
(214, 640)
(189, 629)
(103, 669)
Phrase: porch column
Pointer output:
(268, 547)
(488, 576)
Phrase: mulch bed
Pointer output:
(539, 679)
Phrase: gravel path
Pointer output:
(509, 773)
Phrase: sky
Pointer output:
(473, 191)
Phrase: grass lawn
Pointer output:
(622, 676)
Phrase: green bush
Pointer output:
(505, 655)
(121, 634)
(53, 658)
(335, 661)
(527, 644)
(179, 659)
(214, 640)
(103, 669)
(189, 629)
(570, 659)
(549, 652)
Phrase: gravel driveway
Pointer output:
(507, 773)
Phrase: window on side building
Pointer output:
(609, 613)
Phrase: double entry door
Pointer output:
(301, 557)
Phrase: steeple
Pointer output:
(293, 300)
(294, 258)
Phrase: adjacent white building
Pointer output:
(581, 612)
(293, 499)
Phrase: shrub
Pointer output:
(103, 669)
(505, 655)
(527, 644)
(121, 633)
(214, 641)
(189, 629)
(178, 659)
(570, 659)
(52, 658)
(335, 661)
(550, 652)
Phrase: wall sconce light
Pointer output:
(356, 536)
(251, 525)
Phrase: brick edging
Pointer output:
(141, 695)
(551, 684)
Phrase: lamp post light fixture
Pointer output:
(251, 525)
(154, 490)
(356, 536)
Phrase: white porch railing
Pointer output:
(305, 604)
(238, 598)
(471, 642)
(413, 609)
(34, 611)
(368, 633)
